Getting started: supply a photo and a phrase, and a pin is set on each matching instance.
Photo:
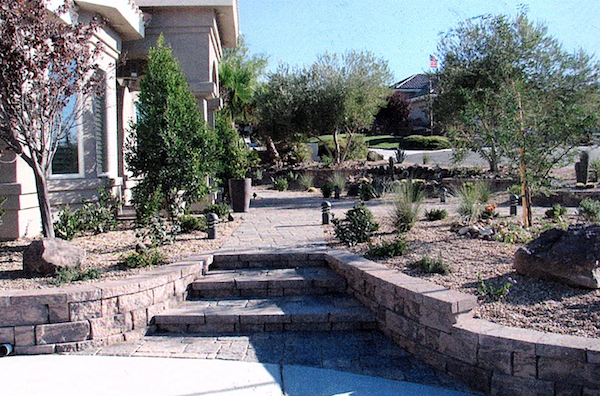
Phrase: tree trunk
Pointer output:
(273, 153)
(44, 203)
(336, 144)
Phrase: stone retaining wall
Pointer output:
(77, 317)
(436, 325)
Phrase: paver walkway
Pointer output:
(283, 222)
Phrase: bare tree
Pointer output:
(47, 70)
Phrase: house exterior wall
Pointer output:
(196, 30)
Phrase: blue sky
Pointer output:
(403, 32)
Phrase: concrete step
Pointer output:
(267, 260)
(268, 283)
(302, 313)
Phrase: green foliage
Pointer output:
(97, 217)
(235, 157)
(374, 156)
(157, 231)
(221, 209)
(327, 190)
(75, 274)
(514, 234)
(306, 181)
(400, 155)
(589, 209)
(397, 247)
(418, 142)
(358, 149)
(492, 101)
(514, 189)
(556, 211)
(472, 197)
(407, 206)
(431, 265)
(436, 214)
(338, 179)
(281, 184)
(358, 226)
(366, 191)
(191, 223)
(171, 146)
(426, 158)
(145, 258)
(327, 161)
(494, 292)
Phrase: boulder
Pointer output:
(45, 256)
(567, 256)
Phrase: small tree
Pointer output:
(171, 147)
(391, 117)
(45, 65)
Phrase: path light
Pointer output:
(211, 221)
(514, 201)
(443, 195)
(326, 207)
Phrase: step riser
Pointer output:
(287, 292)
(277, 261)
(241, 328)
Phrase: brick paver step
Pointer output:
(267, 260)
(305, 313)
(269, 283)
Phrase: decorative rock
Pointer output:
(569, 257)
(45, 256)
(486, 232)
(463, 231)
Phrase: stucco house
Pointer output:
(418, 90)
(92, 156)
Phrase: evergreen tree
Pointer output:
(172, 148)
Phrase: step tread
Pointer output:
(276, 310)
(263, 277)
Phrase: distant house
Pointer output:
(417, 89)
(92, 156)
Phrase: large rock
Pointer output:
(567, 256)
(46, 255)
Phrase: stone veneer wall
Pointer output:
(436, 325)
(78, 317)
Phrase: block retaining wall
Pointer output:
(78, 317)
(436, 325)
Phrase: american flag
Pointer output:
(433, 62)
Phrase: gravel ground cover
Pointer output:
(105, 252)
(531, 303)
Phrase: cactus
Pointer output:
(581, 167)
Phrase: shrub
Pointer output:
(589, 209)
(74, 274)
(358, 227)
(67, 225)
(407, 206)
(366, 191)
(556, 211)
(493, 292)
(221, 209)
(400, 155)
(191, 223)
(432, 265)
(281, 184)
(418, 142)
(469, 207)
(358, 147)
(426, 158)
(327, 190)
(327, 161)
(146, 258)
(398, 247)
(147, 201)
(514, 189)
(513, 233)
(374, 156)
(436, 214)
(337, 179)
(306, 181)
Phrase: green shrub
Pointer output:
(400, 155)
(221, 209)
(281, 184)
(74, 274)
(513, 233)
(556, 211)
(327, 161)
(327, 190)
(146, 258)
(436, 214)
(358, 226)
(358, 147)
(589, 209)
(366, 191)
(426, 158)
(432, 265)
(338, 179)
(469, 207)
(306, 181)
(147, 201)
(67, 225)
(494, 292)
(418, 142)
(191, 223)
(374, 156)
(514, 189)
(397, 247)
(407, 206)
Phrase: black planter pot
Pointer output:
(240, 191)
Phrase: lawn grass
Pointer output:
(377, 141)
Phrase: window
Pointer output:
(67, 160)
